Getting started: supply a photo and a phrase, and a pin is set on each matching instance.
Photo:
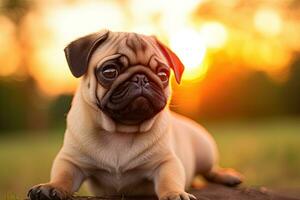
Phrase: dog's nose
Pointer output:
(140, 79)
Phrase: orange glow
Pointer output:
(75, 20)
(214, 34)
(49, 27)
(62, 25)
(10, 51)
(190, 48)
(268, 22)
(65, 22)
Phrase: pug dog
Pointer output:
(121, 136)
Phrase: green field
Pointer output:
(267, 152)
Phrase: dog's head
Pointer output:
(125, 75)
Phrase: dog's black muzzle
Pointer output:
(137, 99)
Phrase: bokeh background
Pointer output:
(242, 79)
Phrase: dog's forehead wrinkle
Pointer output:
(136, 42)
(137, 49)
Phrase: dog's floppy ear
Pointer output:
(78, 52)
(172, 59)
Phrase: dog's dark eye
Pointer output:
(163, 74)
(110, 71)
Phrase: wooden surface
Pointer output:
(217, 192)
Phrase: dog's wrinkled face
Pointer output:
(137, 98)
(130, 73)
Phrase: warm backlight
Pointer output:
(268, 22)
(245, 39)
(214, 34)
(190, 48)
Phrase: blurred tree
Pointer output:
(58, 110)
(15, 9)
(24, 106)
(12, 106)
(291, 90)
(21, 106)
(239, 95)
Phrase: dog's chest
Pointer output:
(122, 160)
(118, 155)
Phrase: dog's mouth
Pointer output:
(134, 101)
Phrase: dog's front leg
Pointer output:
(66, 178)
(169, 181)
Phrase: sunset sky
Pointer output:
(258, 36)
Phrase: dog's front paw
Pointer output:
(178, 196)
(47, 192)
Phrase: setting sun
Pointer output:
(190, 47)
(214, 34)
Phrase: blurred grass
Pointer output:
(267, 152)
